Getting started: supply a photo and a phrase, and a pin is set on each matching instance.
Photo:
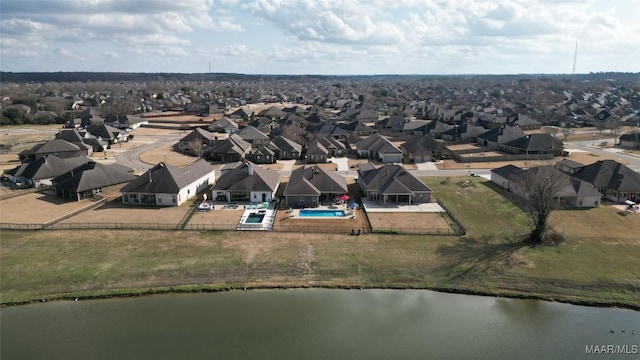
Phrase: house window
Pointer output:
(188, 191)
(301, 201)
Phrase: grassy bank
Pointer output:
(490, 259)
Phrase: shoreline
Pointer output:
(194, 289)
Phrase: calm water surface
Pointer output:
(313, 324)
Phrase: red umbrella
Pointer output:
(344, 197)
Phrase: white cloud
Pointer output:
(326, 36)
(62, 52)
(111, 54)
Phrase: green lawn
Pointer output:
(490, 259)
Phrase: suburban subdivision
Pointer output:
(522, 188)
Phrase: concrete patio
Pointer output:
(375, 206)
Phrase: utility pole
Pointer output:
(575, 57)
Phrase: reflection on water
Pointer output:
(311, 324)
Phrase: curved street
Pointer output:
(131, 157)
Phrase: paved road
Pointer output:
(615, 152)
(131, 157)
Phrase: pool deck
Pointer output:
(349, 214)
(265, 224)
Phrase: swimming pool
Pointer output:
(321, 213)
(254, 218)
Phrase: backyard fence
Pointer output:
(118, 226)
(460, 230)
(420, 231)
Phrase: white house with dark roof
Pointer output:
(576, 193)
(166, 185)
(246, 182)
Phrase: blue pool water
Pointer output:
(321, 213)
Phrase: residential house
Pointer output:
(392, 183)
(537, 143)
(356, 128)
(264, 124)
(309, 185)
(503, 134)
(246, 182)
(228, 150)
(378, 147)
(253, 136)
(196, 142)
(108, 133)
(261, 155)
(575, 194)
(125, 121)
(630, 140)
(462, 132)
(166, 185)
(285, 149)
(324, 147)
(223, 125)
(569, 166)
(43, 170)
(423, 149)
(57, 147)
(391, 124)
(92, 179)
(316, 152)
(328, 129)
(77, 137)
(615, 181)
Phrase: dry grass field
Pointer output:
(217, 216)
(115, 212)
(37, 208)
(165, 153)
(596, 264)
(410, 220)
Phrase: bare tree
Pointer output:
(539, 188)
(194, 147)
(566, 133)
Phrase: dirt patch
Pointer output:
(218, 216)
(274, 167)
(414, 220)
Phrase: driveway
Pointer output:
(342, 163)
(426, 166)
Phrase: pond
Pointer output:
(314, 324)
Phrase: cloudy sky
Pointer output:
(320, 36)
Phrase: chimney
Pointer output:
(150, 179)
(250, 167)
